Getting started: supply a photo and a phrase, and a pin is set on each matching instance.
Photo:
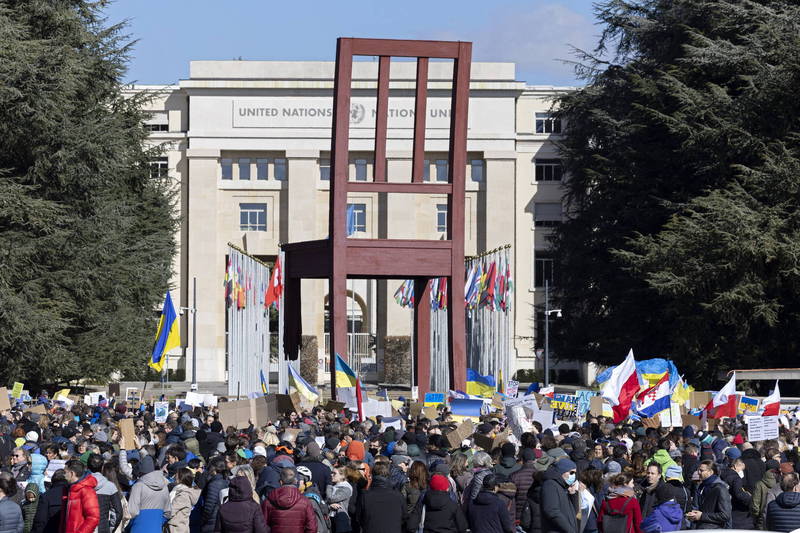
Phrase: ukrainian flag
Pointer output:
(168, 335)
(479, 385)
(264, 385)
(345, 377)
(302, 386)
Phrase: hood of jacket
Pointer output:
(662, 457)
(154, 480)
(38, 464)
(239, 489)
(752, 453)
(188, 434)
(284, 497)
(788, 500)
(508, 462)
(194, 493)
(437, 500)
(104, 486)
(33, 488)
(671, 511)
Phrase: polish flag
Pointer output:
(724, 403)
(771, 405)
(621, 387)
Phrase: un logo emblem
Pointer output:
(357, 113)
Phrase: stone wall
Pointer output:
(397, 360)
(309, 358)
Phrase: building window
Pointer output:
(545, 123)
(542, 270)
(157, 121)
(325, 169)
(159, 167)
(426, 170)
(361, 170)
(244, 169)
(476, 169)
(441, 170)
(253, 217)
(262, 169)
(227, 169)
(546, 214)
(156, 127)
(548, 169)
(441, 218)
(359, 220)
(280, 169)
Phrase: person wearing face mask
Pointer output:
(558, 510)
(621, 502)
(741, 499)
(712, 505)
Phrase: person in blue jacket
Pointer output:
(666, 515)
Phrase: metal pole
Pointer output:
(546, 333)
(194, 333)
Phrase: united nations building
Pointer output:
(248, 146)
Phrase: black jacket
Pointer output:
(240, 514)
(48, 513)
(535, 505)
(783, 514)
(713, 499)
(211, 501)
(442, 514)
(488, 514)
(558, 511)
(382, 509)
(505, 468)
(523, 479)
(754, 469)
(320, 473)
(647, 501)
(740, 501)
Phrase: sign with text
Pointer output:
(512, 388)
(16, 390)
(585, 400)
(762, 428)
(565, 406)
(434, 399)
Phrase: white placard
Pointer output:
(52, 466)
(194, 399)
(762, 428)
(161, 410)
(519, 422)
(209, 400)
(414, 393)
(372, 407)
(545, 418)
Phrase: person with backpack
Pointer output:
(308, 488)
(437, 512)
(620, 512)
(530, 518)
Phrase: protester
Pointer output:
(487, 513)
(286, 510)
(758, 504)
(82, 510)
(49, 508)
(653, 481)
(240, 514)
(382, 509)
(11, 520)
(620, 511)
(712, 507)
(182, 499)
(783, 514)
(558, 510)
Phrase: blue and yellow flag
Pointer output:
(168, 335)
(345, 377)
(302, 386)
(264, 384)
(479, 385)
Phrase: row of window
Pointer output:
(545, 169)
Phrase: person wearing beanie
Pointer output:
(667, 513)
(442, 514)
(738, 440)
(558, 511)
(612, 467)
(754, 468)
(320, 473)
(763, 491)
(398, 471)
(488, 513)
(732, 453)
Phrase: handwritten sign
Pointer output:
(762, 428)
(585, 400)
(512, 388)
(565, 405)
(16, 390)
(161, 409)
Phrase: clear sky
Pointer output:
(535, 34)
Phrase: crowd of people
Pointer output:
(72, 471)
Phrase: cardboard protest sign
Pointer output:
(544, 417)
(652, 422)
(5, 404)
(415, 409)
(285, 404)
(335, 407)
(434, 399)
(133, 397)
(290, 434)
(128, 434)
(748, 405)
(161, 409)
(235, 413)
(16, 390)
(699, 399)
(463, 431)
(210, 400)
(497, 401)
(61, 393)
(430, 412)
(565, 406)
(690, 420)
(512, 388)
(671, 417)
(194, 399)
(39, 408)
(372, 408)
(483, 441)
(113, 389)
(762, 428)
(519, 420)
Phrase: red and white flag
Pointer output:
(771, 405)
(725, 402)
(621, 387)
(273, 293)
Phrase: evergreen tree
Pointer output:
(684, 181)
(86, 234)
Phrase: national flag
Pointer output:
(649, 371)
(345, 377)
(771, 405)
(621, 387)
(682, 392)
(348, 385)
(487, 289)
(480, 385)
(725, 402)
(228, 284)
(302, 386)
(275, 288)
(264, 382)
(654, 399)
(168, 335)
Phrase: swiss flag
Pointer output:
(725, 402)
(275, 289)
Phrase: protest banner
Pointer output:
(463, 431)
(565, 406)
(512, 388)
(128, 434)
(463, 407)
(160, 410)
(5, 404)
(762, 428)
(584, 401)
(748, 405)
(527, 400)
(434, 399)
(16, 389)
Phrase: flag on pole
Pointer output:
(682, 392)
(348, 386)
(725, 402)
(302, 386)
(771, 405)
(275, 288)
(621, 387)
(655, 399)
(168, 335)
(264, 383)
(480, 385)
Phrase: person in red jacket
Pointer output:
(286, 510)
(82, 514)
(622, 499)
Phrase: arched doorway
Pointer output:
(360, 335)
